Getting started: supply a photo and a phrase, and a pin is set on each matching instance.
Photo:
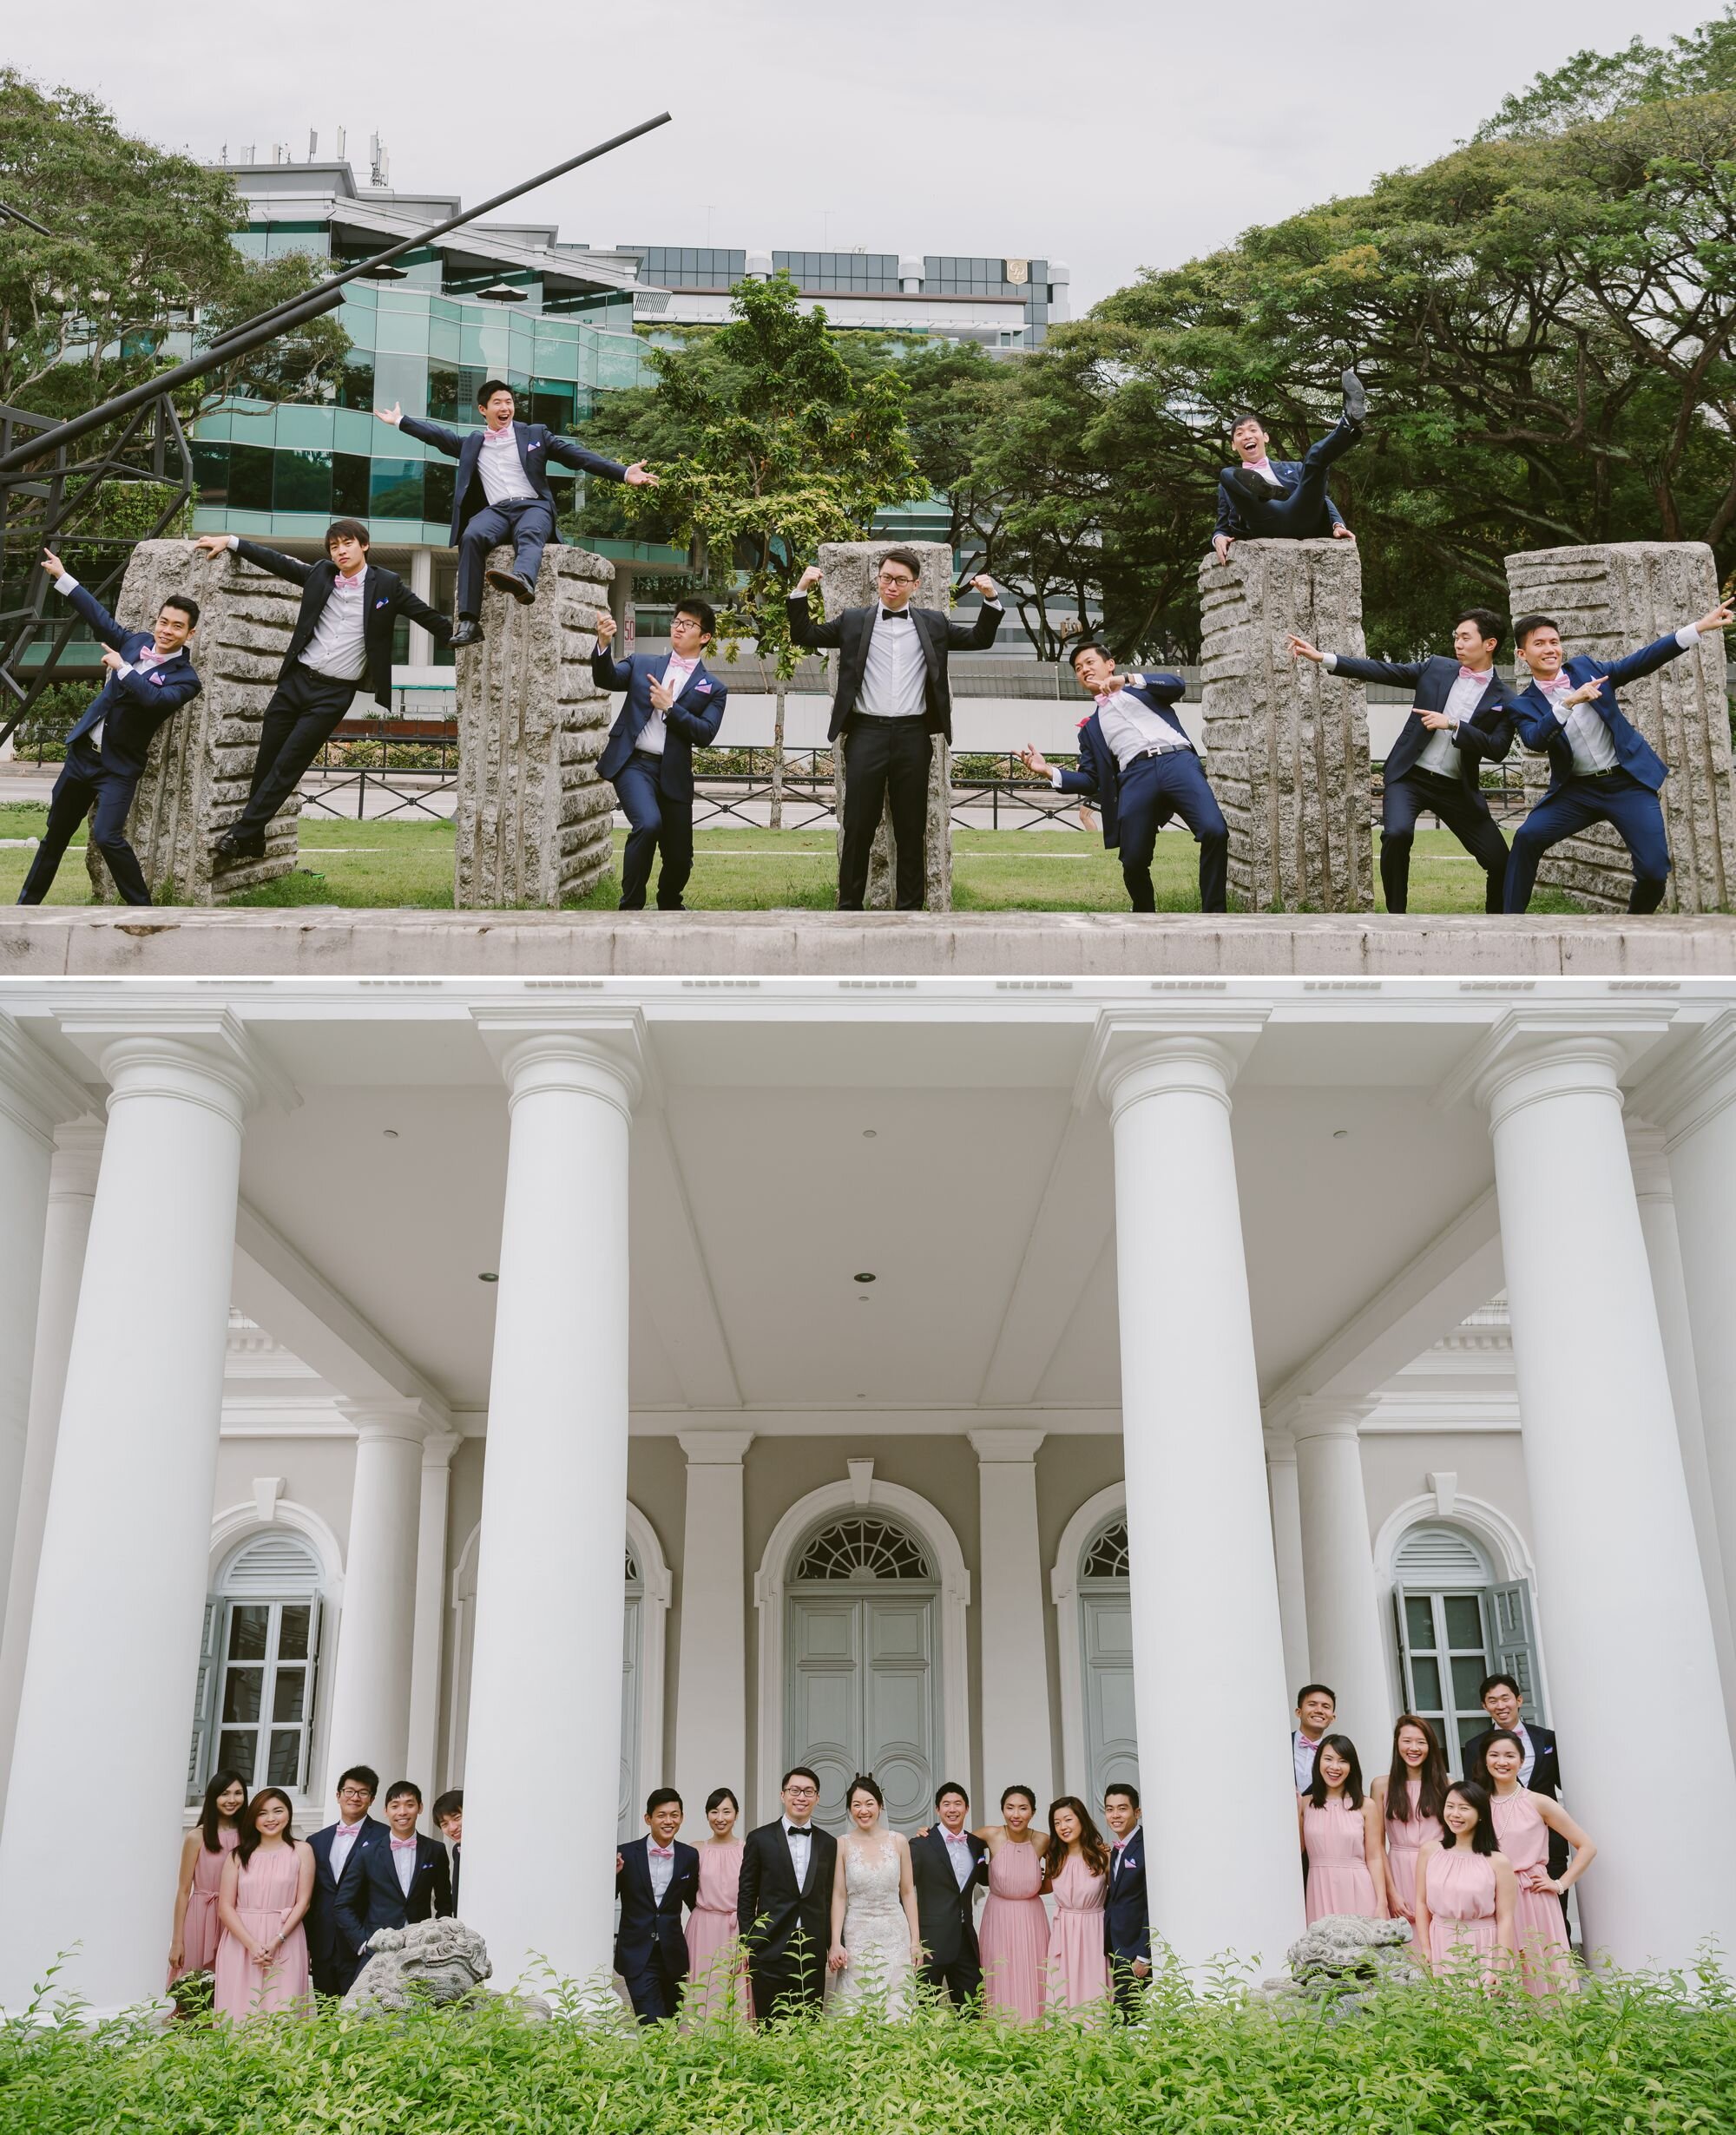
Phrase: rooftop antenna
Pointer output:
(313, 145)
(380, 172)
(340, 144)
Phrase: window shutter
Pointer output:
(205, 1698)
(306, 1781)
(1515, 1643)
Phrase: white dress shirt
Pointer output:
(1121, 1845)
(677, 673)
(336, 647)
(958, 1852)
(342, 1839)
(661, 1862)
(504, 480)
(1303, 1752)
(1132, 728)
(1588, 732)
(1529, 1763)
(404, 1862)
(1440, 753)
(893, 677)
(800, 1837)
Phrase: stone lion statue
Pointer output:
(1346, 1960)
(437, 1960)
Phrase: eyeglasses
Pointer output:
(801, 1793)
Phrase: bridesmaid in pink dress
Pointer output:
(1014, 1934)
(1077, 1971)
(1522, 1823)
(268, 1884)
(193, 1946)
(1340, 1836)
(1465, 1892)
(1407, 1808)
(716, 1967)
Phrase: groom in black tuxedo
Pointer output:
(947, 1863)
(655, 1877)
(784, 1902)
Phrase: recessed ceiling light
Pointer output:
(488, 1276)
(863, 1277)
(391, 1134)
(1341, 1133)
(870, 1133)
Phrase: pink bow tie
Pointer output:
(1106, 696)
(1558, 685)
(404, 1845)
(1472, 674)
(662, 1853)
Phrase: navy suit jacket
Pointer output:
(646, 1925)
(1230, 520)
(375, 1899)
(1488, 732)
(945, 1915)
(131, 706)
(384, 597)
(537, 445)
(325, 1945)
(849, 632)
(1544, 735)
(1126, 1919)
(1098, 773)
(690, 723)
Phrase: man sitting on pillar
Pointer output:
(891, 698)
(1605, 771)
(674, 707)
(341, 643)
(1462, 715)
(149, 677)
(1264, 499)
(502, 493)
(1136, 760)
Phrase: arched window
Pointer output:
(1457, 1622)
(1107, 1643)
(863, 1549)
(258, 1660)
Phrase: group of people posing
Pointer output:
(1137, 764)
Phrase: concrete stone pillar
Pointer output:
(711, 1686)
(1347, 1641)
(1284, 1493)
(847, 570)
(421, 585)
(1286, 743)
(532, 817)
(201, 762)
(428, 1638)
(1609, 599)
(1018, 1742)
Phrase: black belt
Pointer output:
(1175, 748)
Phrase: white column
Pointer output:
(1018, 1739)
(421, 647)
(369, 1715)
(72, 1189)
(545, 1696)
(426, 1648)
(1287, 1550)
(1345, 1646)
(1619, 1590)
(711, 1687)
(1207, 1638)
(121, 1590)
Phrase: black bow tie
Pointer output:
(895, 614)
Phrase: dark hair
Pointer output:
(1008, 1791)
(1482, 1838)
(450, 1804)
(1494, 1682)
(346, 529)
(1347, 1750)
(186, 603)
(864, 1782)
(1091, 1843)
(908, 557)
(660, 1797)
(369, 1777)
(1432, 1790)
(701, 611)
(220, 1784)
(798, 1772)
(400, 1788)
(1309, 1689)
(1495, 1735)
(248, 1824)
(1087, 645)
(1490, 626)
(1244, 414)
(951, 1786)
(1526, 624)
(1123, 1786)
(488, 388)
(722, 1794)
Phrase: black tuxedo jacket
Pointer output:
(384, 597)
(537, 445)
(770, 1909)
(645, 1924)
(1487, 732)
(376, 1898)
(326, 1947)
(1545, 1773)
(848, 635)
(944, 1913)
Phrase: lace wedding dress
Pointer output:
(876, 1932)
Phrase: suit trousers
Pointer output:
(962, 1981)
(1152, 790)
(527, 523)
(794, 1980)
(1465, 814)
(83, 782)
(882, 756)
(1617, 797)
(1302, 515)
(654, 819)
(300, 721)
(654, 1987)
(1129, 1986)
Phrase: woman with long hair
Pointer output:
(193, 1944)
(717, 1969)
(1340, 1836)
(875, 1943)
(1408, 1801)
(1076, 1972)
(267, 1886)
(1464, 1893)
(1522, 1823)
(1014, 1936)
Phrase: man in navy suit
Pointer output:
(1604, 770)
(655, 1877)
(1264, 499)
(1135, 758)
(947, 1863)
(502, 493)
(1462, 715)
(150, 678)
(339, 1852)
(403, 1881)
(674, 705)
(341, 644)
(1127, 1918)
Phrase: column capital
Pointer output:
(201, 1054)
(1694, 1083)
(438, 1448)
(714, 1449)
(1647, 1154)
(1006, 1448)
(596, 1052)
(78, 1159)
(36, 1092)
(408, 1418)
(1323, 1415)
(1281, 1446)
(1551, 1049)
(1183, 1046)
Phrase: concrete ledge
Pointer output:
(327, 941)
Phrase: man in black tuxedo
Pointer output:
(448, 1813)
(401, 1882)
(338, 1853)
(340, 646)
(1462, 715)
(784, 1902)
(947, 1863)
(655, 1877)
(1127, 1915)
(891, 699)
(1501, 1696)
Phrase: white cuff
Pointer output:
(1054, 778)
(125, 667)
(1688, 636)
(995, 602)
(1329, 662)
(65, 582)
(235, 539)
(1136, 681)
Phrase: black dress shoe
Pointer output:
(1255, 487)
(468, 632)
(1356, 399)
(239, 845)
(508, 582)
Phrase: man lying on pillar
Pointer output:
(1267, 500)
(502, 493)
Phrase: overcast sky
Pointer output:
(1109, 134)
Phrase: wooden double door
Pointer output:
(863, 1695)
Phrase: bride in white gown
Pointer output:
(876, 1947)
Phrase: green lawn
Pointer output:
(737, 868)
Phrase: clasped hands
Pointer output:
(839, 1957)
